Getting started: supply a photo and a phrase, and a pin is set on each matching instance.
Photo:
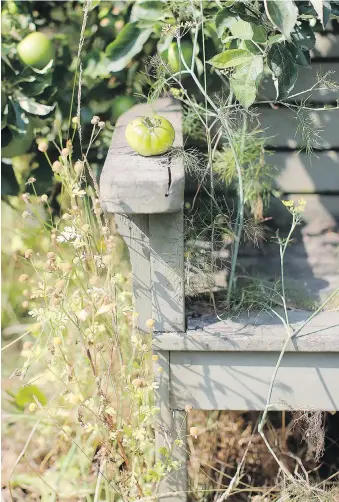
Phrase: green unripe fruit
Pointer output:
(120, 105)
(36, 50)
(173, 58)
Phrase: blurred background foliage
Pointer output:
(120, 37)
(32, 99)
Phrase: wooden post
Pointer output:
(147, 197)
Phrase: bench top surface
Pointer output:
(258, 332)
(133, 184)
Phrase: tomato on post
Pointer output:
(150, 136)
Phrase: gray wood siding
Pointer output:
(240, 380)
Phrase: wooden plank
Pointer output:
(322, 210)
(298, 172)
(327, 46)
(306, 79)
(169, 427)
(240, 381)
(293, 171)
(281, 127)
(167, 271)
(134, 230)
(258, 332)
(130, 183)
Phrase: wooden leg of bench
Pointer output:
(170, 425)
(180, 454)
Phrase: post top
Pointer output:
(132, 184)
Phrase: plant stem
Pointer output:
(228, 132)
(240, 212)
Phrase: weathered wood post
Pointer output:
(146, 194)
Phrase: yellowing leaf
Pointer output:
(230, 58)
(245, 80)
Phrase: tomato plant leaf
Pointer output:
(241, 29)
(250, 47)
(334, 6)
(301, 57)
(323, 10)
(283, 68)
(259, 34)
(9, 183)
(303, 36)
(283, 15)
(150, 10)
(230, 58)
(128, 43)
(245, 80)
(274, 39)
(223, 20)
(16, 119)
(31, 106)
(27, 394)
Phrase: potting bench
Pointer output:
(207, 363)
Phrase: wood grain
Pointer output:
(258, 332)
(134, 229)
(167, 271)
(306, 79)
(300, 173)
(240, 381)
(282, 127)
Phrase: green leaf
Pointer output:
(128, 43)
(323, 10)
(259, 34)
(283, 68)
(334, 11)
(230, 58)
(303, 36)
(9, 184)
(245, 80)
(301, 57)
(223, 20)
(26, 395)
(36, 86)
(274, 39)
(151, 10)
(283, 15)
(44, 70)
(241, 29)
(239, 8)
(31, 106)
(17, 121)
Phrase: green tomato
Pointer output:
(120, 105)
(36, 50)
(172, 57)
(150, 136)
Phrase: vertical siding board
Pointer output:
(167, 271)
(135, 232)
